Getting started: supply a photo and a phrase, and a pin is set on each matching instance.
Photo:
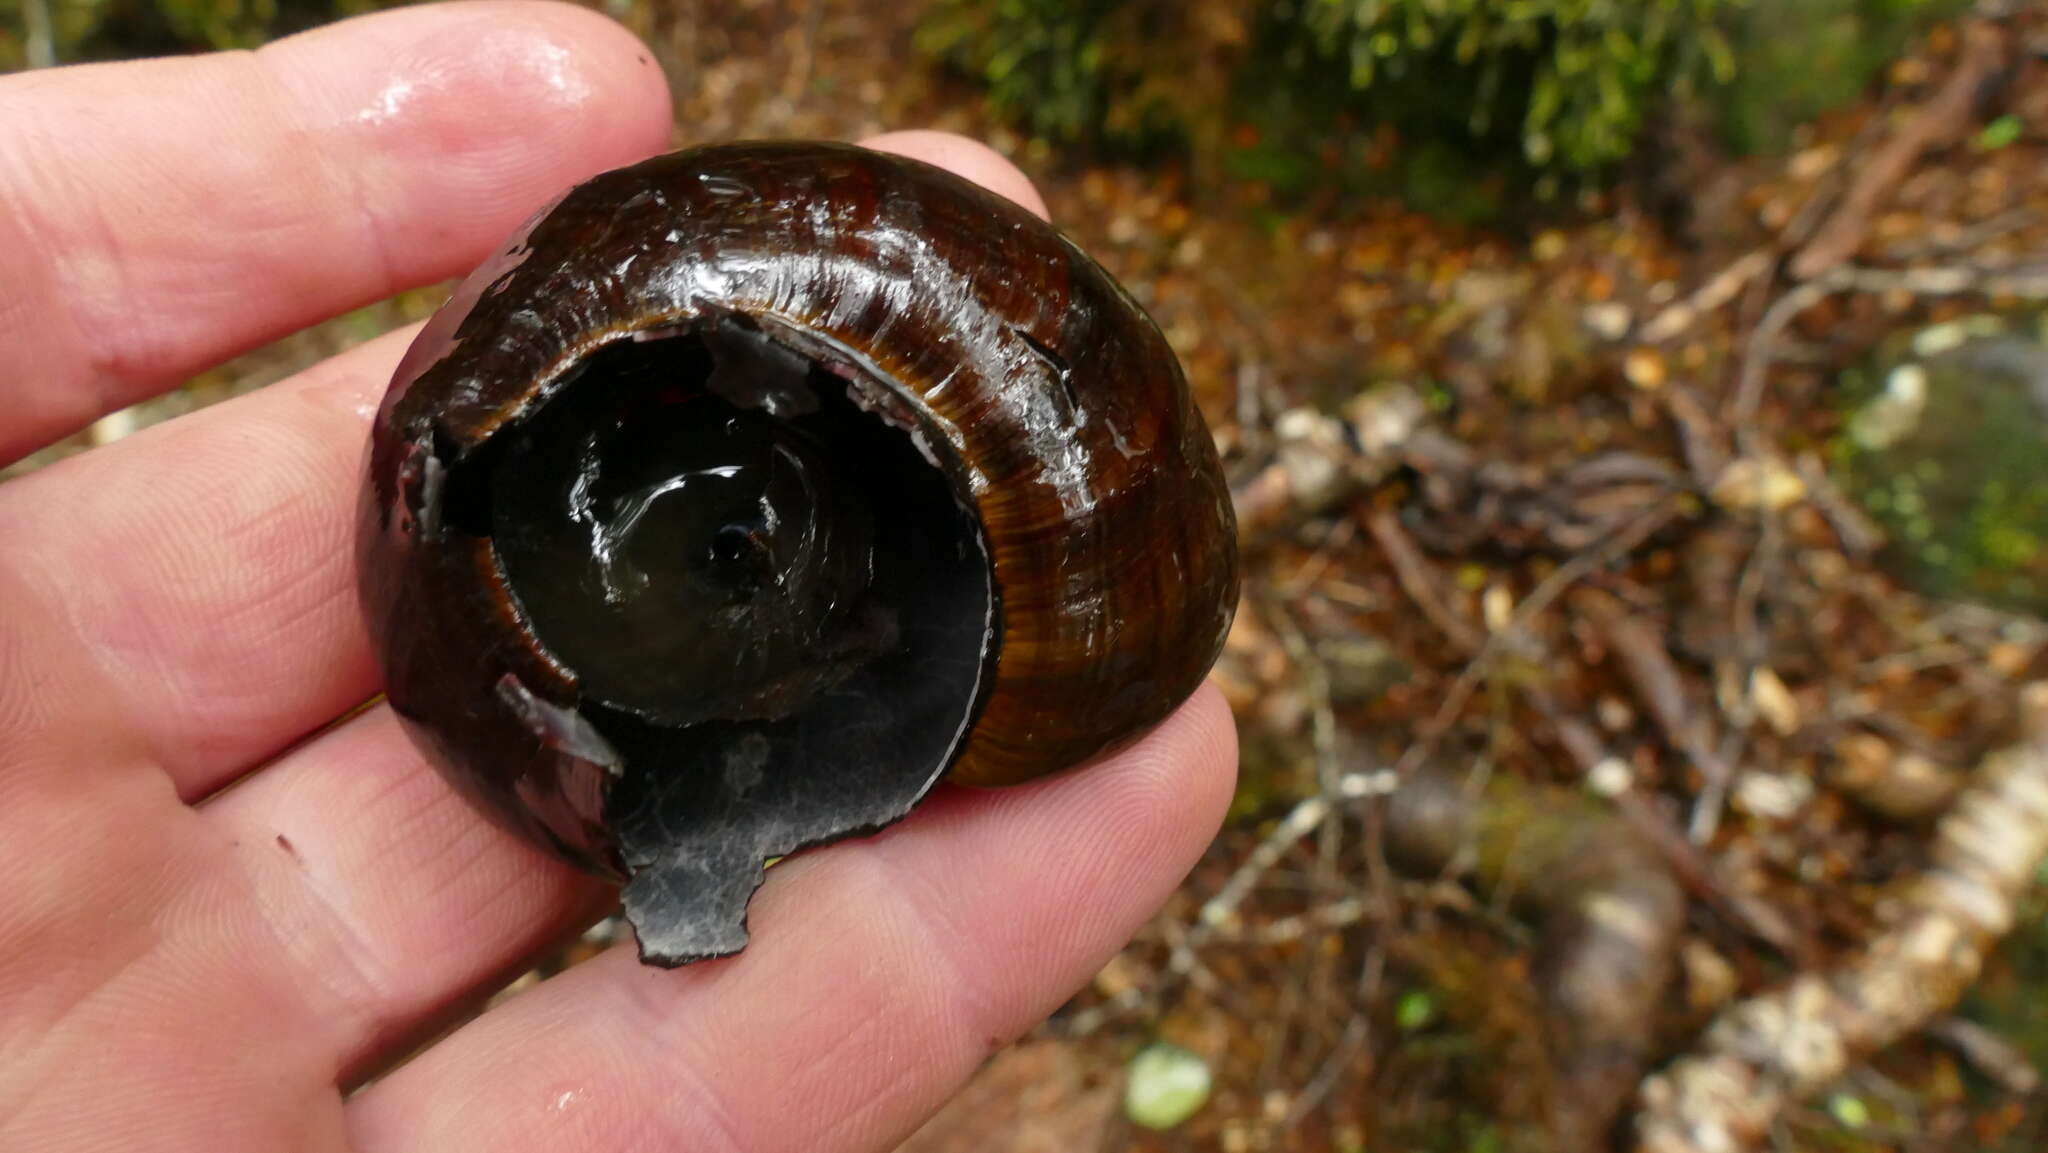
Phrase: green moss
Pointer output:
(1946, 454)
(1797, 58)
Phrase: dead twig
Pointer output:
(1694, 872)
(1678, 317)
(1338, 914)
(1756, 358)
(1942, 120)
(1963, 240)
(1218, 917)
(1647, 668)
(1858, 535)
(1761, 1055)
(1416, 579)
(1992, 1056)
(1943, 280)
(1700, 437)
(1220, 910)
(1622, 542)
(1357, 1031)
(1256, 403)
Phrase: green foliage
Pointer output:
(1798, 58)
(1070, 70)
(1568, 81)
(1041, 59)
(1575, 78)
(1455, 104)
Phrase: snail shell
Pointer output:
(751, 489)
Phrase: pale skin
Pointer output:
(188, 966)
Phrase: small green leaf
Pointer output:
(2000, 133)
(1849, 1111)
(1165, 1086)
(1414, 1011)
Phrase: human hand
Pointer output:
(188, 966)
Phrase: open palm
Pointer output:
(185, 966)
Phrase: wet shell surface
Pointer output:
(751, 490)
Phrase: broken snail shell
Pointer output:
(751, 489)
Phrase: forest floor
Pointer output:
(1577, 704)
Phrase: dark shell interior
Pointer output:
(770, 585)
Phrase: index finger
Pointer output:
(158, 217)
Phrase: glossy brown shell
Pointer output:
(1096, 484)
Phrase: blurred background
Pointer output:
(1638, 419)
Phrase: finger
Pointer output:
(199, 577)
(881, 973)
(158, 217)
(201, 572)
(970, 158)
(400, 901)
